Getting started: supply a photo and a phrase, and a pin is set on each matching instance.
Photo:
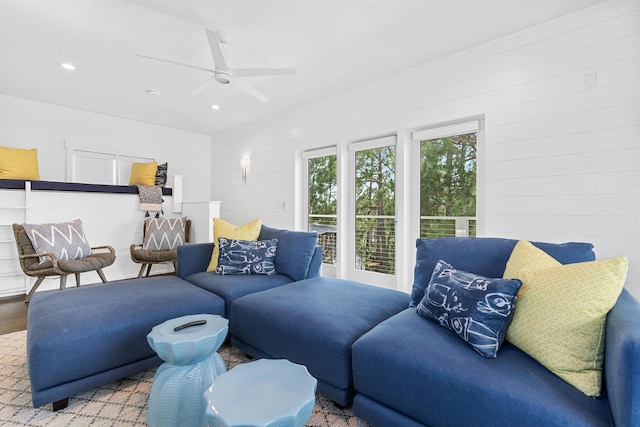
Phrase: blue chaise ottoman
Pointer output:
(80, 338)
(313, 322)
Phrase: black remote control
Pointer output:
(189, 324)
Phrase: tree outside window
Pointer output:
(375, 209)
(448, 186)
(323, 203)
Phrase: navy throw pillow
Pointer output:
(295, 250)
(247, 257)
(478, 309)
(486, 256)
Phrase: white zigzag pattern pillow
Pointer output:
(65, 240)
(164, 234)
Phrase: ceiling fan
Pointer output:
(223, 73)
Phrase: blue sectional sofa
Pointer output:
(314, 323)
(364, 344)
(410, 371)
(80, 338)
(406, 370)
(297, 258)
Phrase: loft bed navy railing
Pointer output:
(19, 184)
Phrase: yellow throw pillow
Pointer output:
(222, 228)
(560, 315)
(18, 163)
(525, 256)
(143, 173)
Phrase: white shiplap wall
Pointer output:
(30, 124)
(560, 161)
(109, 219)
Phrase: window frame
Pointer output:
(407, 204)
(460, 127)
(327, 269)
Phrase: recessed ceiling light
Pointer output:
(68, 66)
(215, 107)
(153, 92)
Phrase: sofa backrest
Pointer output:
(295, 251)
(486, 256)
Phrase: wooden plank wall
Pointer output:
(560, 160)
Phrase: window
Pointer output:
(322, 200)
(375, 210)
(370, 199)
(374, 205)
(448, 157)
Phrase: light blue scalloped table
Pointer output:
(188, 345)
(263, 393)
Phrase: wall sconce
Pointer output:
(244, 165)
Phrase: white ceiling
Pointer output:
(333, 45)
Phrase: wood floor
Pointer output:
(13, 314)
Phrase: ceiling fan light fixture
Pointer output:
(215, 107)
(68, 66)
(223, 78)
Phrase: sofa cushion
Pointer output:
(298, 245)
(414, 366)
(476, 308)
(561, 313)
(486, 256)
(66, 240)
(314, 322)
(80, 332)
(246, 257)
(222, 228)
(230, 287)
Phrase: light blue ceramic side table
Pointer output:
(261, 393)
(188, 346)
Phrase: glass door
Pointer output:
(322, 203)
(448, 180)
(373, 212)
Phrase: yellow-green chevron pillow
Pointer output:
(560, 316)
(525, 256)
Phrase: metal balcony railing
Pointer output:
(375, 237)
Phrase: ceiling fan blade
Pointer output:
(215, 45)
(175, 63)
(250, 90)
(248, 72)
(205, 84)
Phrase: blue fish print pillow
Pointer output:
(247, 257)
(478, 309)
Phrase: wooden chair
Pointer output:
(31, 266)
(147, 258)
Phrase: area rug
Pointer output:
(120, 403)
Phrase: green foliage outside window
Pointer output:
(375, 209)
(323, 203)
(447, 183)
(447, 190)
